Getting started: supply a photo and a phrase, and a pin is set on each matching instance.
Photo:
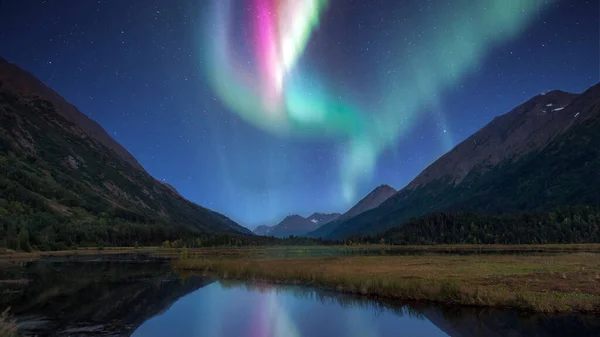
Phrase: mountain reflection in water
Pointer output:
(144, 298)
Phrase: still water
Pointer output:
(143, 298)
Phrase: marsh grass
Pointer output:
(543, 283)
(8, 327)
(300, 251)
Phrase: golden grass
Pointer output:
(546, 283)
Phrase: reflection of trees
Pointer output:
(328, 297)
(262, 288)
(122, 295)
(472, 322)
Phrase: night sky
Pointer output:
(263, 108)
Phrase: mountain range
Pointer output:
(543, 154)
(373, 199)
(320, 224)
(67, 182)
(296, 225)
(64, 179)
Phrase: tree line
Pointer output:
(569, 224)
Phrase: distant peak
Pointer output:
(551, 95)
(384, 187)
(316, 214)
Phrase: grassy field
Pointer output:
(546, 282)
(265, 250)
(297, 251)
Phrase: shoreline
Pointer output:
(380, 278)
(536, 278)
(567, 247)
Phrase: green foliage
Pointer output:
(185, 253)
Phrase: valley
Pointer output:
(300, 168)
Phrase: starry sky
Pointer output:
(263, 108)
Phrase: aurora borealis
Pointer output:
(263, 108)
(224, 309)
(272, 94)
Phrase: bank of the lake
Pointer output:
(541, 282)
(300, 250)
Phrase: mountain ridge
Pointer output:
(544, 112)
(24, 83)
(296, 225)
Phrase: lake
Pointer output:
(142, 297)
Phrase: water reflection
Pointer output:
(227, 308)
(94, 297)
(99, 297)
(238, 309)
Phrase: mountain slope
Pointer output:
(527, 128)
(22, 83)
(370, 201)
(543, 154)
(58, 177)
(373, 199)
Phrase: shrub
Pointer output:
(185, 253)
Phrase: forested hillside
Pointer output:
(562, 225)
(61, 187)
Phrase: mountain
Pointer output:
(323, 218)
(296, 225)
(525, 129)
(64, 180)
(373, 199)
(543, 154)
(263, 230)
(293, 225)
